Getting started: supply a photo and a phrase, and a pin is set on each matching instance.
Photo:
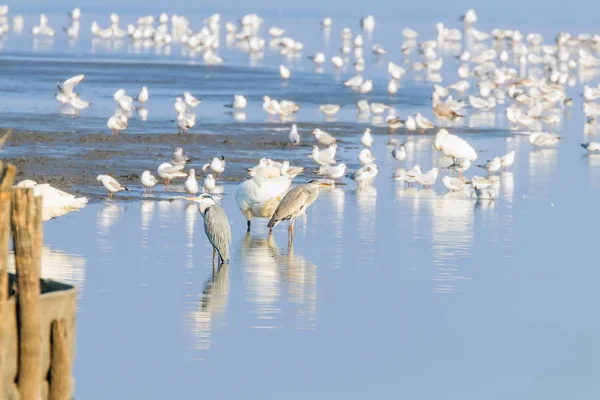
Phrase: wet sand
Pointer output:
(71, 161)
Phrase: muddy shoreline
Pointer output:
(71, 161)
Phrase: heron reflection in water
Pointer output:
(213, 305)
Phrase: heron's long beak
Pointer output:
(194, 199)
(324, 184)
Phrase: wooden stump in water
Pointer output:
(7, 176)
(27, 236)
(60, 361)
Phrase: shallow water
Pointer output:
(385, 290)
(390, 289)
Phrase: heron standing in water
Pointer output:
(216, 226)
(295, 203)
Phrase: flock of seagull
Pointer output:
(503, 67)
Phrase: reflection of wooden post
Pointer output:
(27, 237)
(60, 361)
(6, 179)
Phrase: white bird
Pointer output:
(55, 202)
(209, 183)
(396, 71)
(368, 23)
(78, 103)
(454, 184)
(337, 61)
(399, 153)
(168, 171)
(259, 196)
(409, 33)
(412, 174)
(276, 32)
(592, 147)
(394, 122)
(185, 122)
(179, 158)
(143, 96)
(65, 91)
(323, 137)
(365, 174)
(117, 123)
(319, 58)
(378, 50)
(410, 124)
(423, 123)
(148, 180)
(190, 100)
(362, 105)
(460, 165)
(378, 108)
(217, 165)
(469, 18)
(120, 94)
(329, 109)
(539, 139)
(355, 81)
(191, 184)
(367, 138)
(75, 14)
(180, 106)
(332, 171)
(294, 136)
(111, 184)
(325, 156)
(239, 102)
(453, 146)
(492, 165)
(507, 160)
(366, 86)
(428, 179)
(284, 72)
(365, 157)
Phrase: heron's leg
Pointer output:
(270, 231)
(248, 225)
(213, 257)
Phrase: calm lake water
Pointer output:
(388, 290)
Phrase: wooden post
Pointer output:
(60, 361)
(6, 180)
(27, 237)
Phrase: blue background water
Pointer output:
(388, 292)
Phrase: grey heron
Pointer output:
(294, 203)
(216, 226)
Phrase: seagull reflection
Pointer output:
(258, 255)
(301, 278)
(593, 162)
(147, 210)
(143, 113)
(191, 215)
(507, 185)
(542, 165)
(107, 216)
(239, 116)
(452, 226)
(210, 313)
(59, 266)
(366, 203)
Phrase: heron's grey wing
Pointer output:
(292, 203)
(218, 230)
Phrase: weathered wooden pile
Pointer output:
(37, 317)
